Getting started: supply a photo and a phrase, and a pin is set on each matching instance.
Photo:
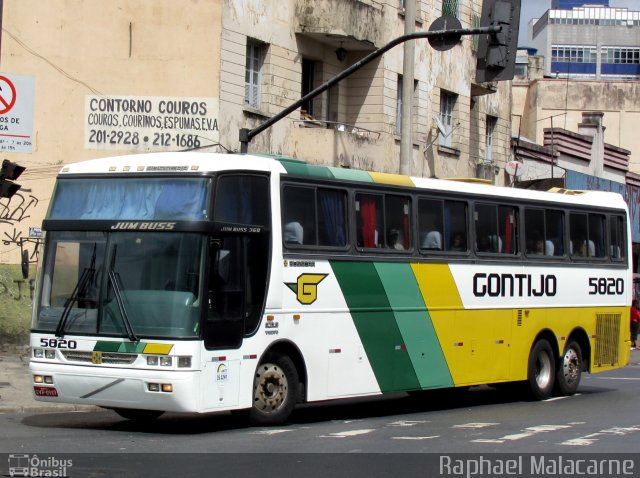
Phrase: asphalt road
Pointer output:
(344, 438)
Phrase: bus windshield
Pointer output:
(128, 284)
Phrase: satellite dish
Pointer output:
(514, 168)
(440, 126)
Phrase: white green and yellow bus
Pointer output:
(197, 282)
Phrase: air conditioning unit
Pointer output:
(486, 171)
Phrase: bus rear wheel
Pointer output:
(275, 388)
(569, 369)
(541, 370)
(138, 415)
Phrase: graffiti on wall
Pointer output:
(14, 214)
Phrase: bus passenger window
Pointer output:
(597, 235)
(298, 215)
(578, 234)
(496, 229)
(617, 250)
(396, 218)
(430, 224)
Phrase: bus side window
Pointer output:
(298, 215)
(430, 224)
(617, 250)
(397, 222)
(496, 229)
(596, 246)
(455, 226)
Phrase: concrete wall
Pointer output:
(565, 101)
(81, 51)
(78, 48)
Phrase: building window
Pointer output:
(308, 82)
(490, 129)
(253, 70)
(447, 106)
(451, 8)
(573, 54)
(621, 55)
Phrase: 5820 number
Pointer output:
(59, 343)
(606, 286)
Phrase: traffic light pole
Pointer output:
(246, 134)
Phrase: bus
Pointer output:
(203, 282)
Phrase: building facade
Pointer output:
(589, 41)
(133, 76)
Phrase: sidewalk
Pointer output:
(16, 389)
(16, 393)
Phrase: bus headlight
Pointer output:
(44, 353)
(163, 360)
(184, 362)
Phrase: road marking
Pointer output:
(475, 425)
(348, 433)
(406, 423)
(415, 438)
(580, 442)
(617, 378)
(269, 432)
(591, 438)
(526, 433)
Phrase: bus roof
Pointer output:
(198, 162)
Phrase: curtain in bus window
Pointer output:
(508, 232)
(332, 210)
(130, 199)
(368, 214)
(180, 200)
(405, 227)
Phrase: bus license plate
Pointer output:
(45, 391)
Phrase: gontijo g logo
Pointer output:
(306, 288)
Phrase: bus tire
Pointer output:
(541, 370)
(275, 388)
(138, 415)
(569, 369)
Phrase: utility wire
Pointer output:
(46, 60)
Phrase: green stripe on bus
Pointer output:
(302, 169)
(351, 174)
(415, 324)
(122, 347)
(376, 325)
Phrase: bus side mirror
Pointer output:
(25, 264)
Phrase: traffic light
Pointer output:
(9, 173)
(497, 51)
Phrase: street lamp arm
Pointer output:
(247, 134)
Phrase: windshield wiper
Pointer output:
(117, 291)
(79, 290)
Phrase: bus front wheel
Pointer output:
(569, 369)
(541, 370)
(275, 387)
